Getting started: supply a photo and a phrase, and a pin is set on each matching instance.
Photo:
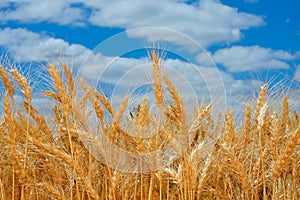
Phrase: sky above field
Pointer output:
(225, 46)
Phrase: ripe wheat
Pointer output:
(254, 158)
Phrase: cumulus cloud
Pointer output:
(124, 72)
(250, 58)
(205, 58)
(35, 11)
(208, 21)
(25, 45)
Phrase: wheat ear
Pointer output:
(157, 80)
(285, 157)
(7, 82)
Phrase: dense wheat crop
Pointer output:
(44, 156)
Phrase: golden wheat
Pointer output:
(45, 157)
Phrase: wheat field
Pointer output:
(45, 157)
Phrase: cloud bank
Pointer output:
(25, 45)
(208, 21)
(250, 58)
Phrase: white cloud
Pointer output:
(25, 45)
(207, 21)
(251, 58)
(123, 72)
(205, 58)
(35, 11)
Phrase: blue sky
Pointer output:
(243, 39)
